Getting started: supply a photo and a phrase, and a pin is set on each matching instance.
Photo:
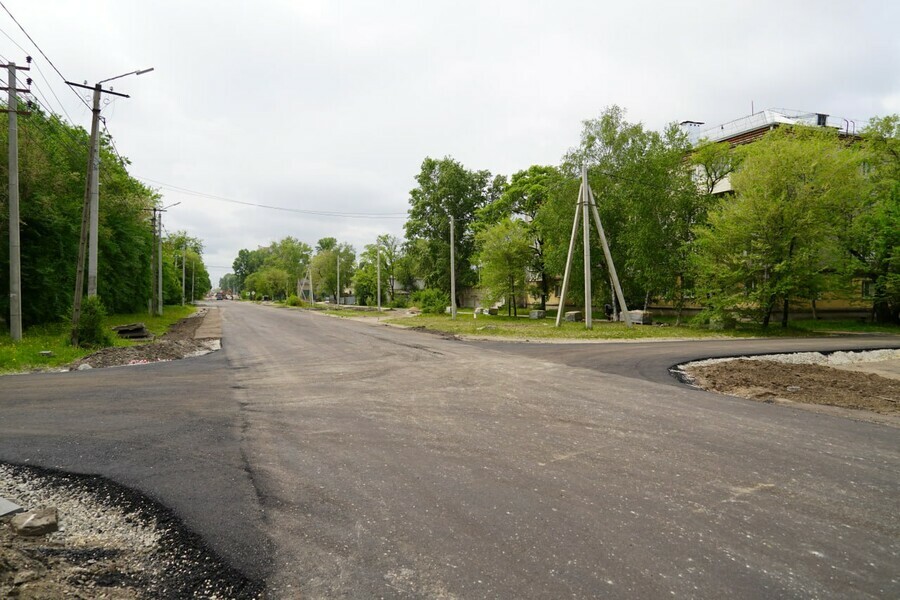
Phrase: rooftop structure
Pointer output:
(752, 127)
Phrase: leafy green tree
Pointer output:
(446, 189)
(247, 262)
(229, 281)
(324, 268)
(52, 159)
(869, 224)
(527, 193)
(269, 281)
(505, 251)
(775, 240)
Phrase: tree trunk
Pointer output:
(814, 313)
(784, 313)
(769, 306)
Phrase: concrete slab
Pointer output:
(9, 508)
(211, 328)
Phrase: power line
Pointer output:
(50, 62)
(270, 207)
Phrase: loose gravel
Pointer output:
(830, 359)
(112, 543)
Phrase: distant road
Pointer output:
(340, 459)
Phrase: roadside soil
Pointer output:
(177, 343)
(770, 381)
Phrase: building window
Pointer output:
(868, 289)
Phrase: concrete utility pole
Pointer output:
(183, 256)
(192, 282)
(93, 178)
(378, 270)
(452, 269)
(338, 277)
(15, 272)
(312, 294)
(153, 299)
(586, 206)
(159, 268)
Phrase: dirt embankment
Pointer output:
(177, 343)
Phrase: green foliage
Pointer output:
(431, 301)
(445, 188)
(505, 250)
(776, 239)
(399, 301)
(324, 267)
(270, 281)
(52, 160)
(92, 331)
(293, 300)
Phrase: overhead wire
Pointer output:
(204, 195)
(47, 58)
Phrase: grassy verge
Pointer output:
(525, 328)
(25, 355)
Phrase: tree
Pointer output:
(324, 267)
(528, 191)
(229, 281)
(52, 159)
(775, 240)
(505, 251)
(869, 228)
(269, 281)
(446, 189)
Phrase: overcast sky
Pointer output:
(331, 106)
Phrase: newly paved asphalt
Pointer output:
(340, 459)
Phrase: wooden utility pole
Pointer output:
(15, 264)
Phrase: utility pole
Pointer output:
(338, 276)
(159, 268)
(312, 294)
(92, 196)
(153, 299)
(192, 282)
(15, 271)
(378, 267)
(586, 206)
(183, 256)
(452, 269)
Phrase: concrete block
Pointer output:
(40, 521)
(574, 315)
(537, 314)
(9, 508)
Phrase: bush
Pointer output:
(293, 300)
(399, 302)
(431, 301)
(91, 331)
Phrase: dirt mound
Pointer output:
(769, 381)
(177, 343)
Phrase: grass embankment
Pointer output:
(525, 328)
(25, 355)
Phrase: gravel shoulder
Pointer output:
(112, 543)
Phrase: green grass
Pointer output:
(525, 328)
(25, 355)
(845, 326)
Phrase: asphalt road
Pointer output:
(340, 459)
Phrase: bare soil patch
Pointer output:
(177, 343)
(771, 381)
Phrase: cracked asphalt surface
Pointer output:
(332, 458)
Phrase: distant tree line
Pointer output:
(810, 213)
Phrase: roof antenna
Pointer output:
(752, 112)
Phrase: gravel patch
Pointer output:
(829, 359)
(112, 543)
